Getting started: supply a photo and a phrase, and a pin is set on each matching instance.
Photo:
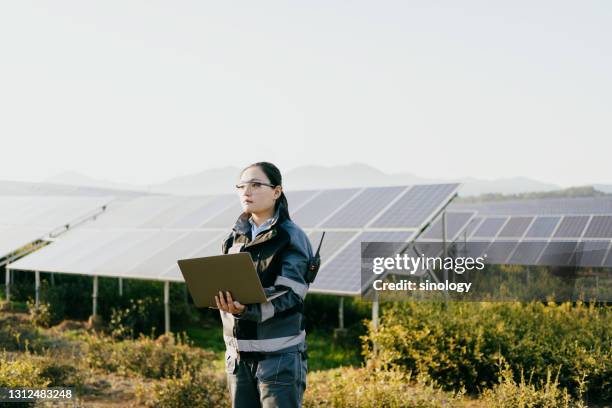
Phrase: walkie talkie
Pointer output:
(314, 264)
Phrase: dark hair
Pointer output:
(276, 179)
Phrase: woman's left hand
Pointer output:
(229, 305)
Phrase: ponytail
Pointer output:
(283, 206)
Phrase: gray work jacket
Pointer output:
(281, 253)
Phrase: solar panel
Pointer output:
(102, 248)
(122, 262)
(591, 252)
(608, 260)
(142, 238)
(296, 199)
(47, 216)
(344, 270)
(173, 274)
(471, 227)
(577, 234)
(204, 212)
(48, 212)
(207, 247)
(571, 226)
(558, 253)
(24, 220)
(12, 238)
(542, 227)
(321, 206)
(473, 249)
(600, 227)
(175, 213)
(499, 251)
(527, 253)
(515, 227)
(136, 212)
(542, 206)
(455, 223)
(416, 206)
(211, 248)
(24, 188)
(46, 258)
(489, 227)
(165, 258)
(27, 210)
(332, 242)
(227, 218)
(364, 207)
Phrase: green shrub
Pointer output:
(361, 387)
(509, 393)
(135, 319)
(41, 315)
(460, 345)
(18, 333)
(166, 357)
(201, 389)
(59, 374)
(24, 371)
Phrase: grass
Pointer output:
(325, 352)
(209, 338)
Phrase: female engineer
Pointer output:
(265, 359)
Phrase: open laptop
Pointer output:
(235, 273)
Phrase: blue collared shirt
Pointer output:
(256, 230)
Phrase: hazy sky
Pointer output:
(140, 92)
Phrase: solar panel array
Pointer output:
(26, 188)
(144, 238)
(561, 232)
(541, 206)
(27, 219)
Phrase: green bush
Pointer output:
(201, 389)
(135, 319)
(366, 388)
(460, 345)
(509, 393)
(24, 371)
(41, 315)
(59, 374)
(166, 357)
(18, 333)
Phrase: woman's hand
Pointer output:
(229, 305)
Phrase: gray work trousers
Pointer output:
(276, 381)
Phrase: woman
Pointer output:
(266, 342)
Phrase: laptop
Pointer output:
(235, 273)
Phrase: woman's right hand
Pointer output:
(229, 305)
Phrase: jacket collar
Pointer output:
(243, 226)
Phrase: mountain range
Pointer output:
(222, 180)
